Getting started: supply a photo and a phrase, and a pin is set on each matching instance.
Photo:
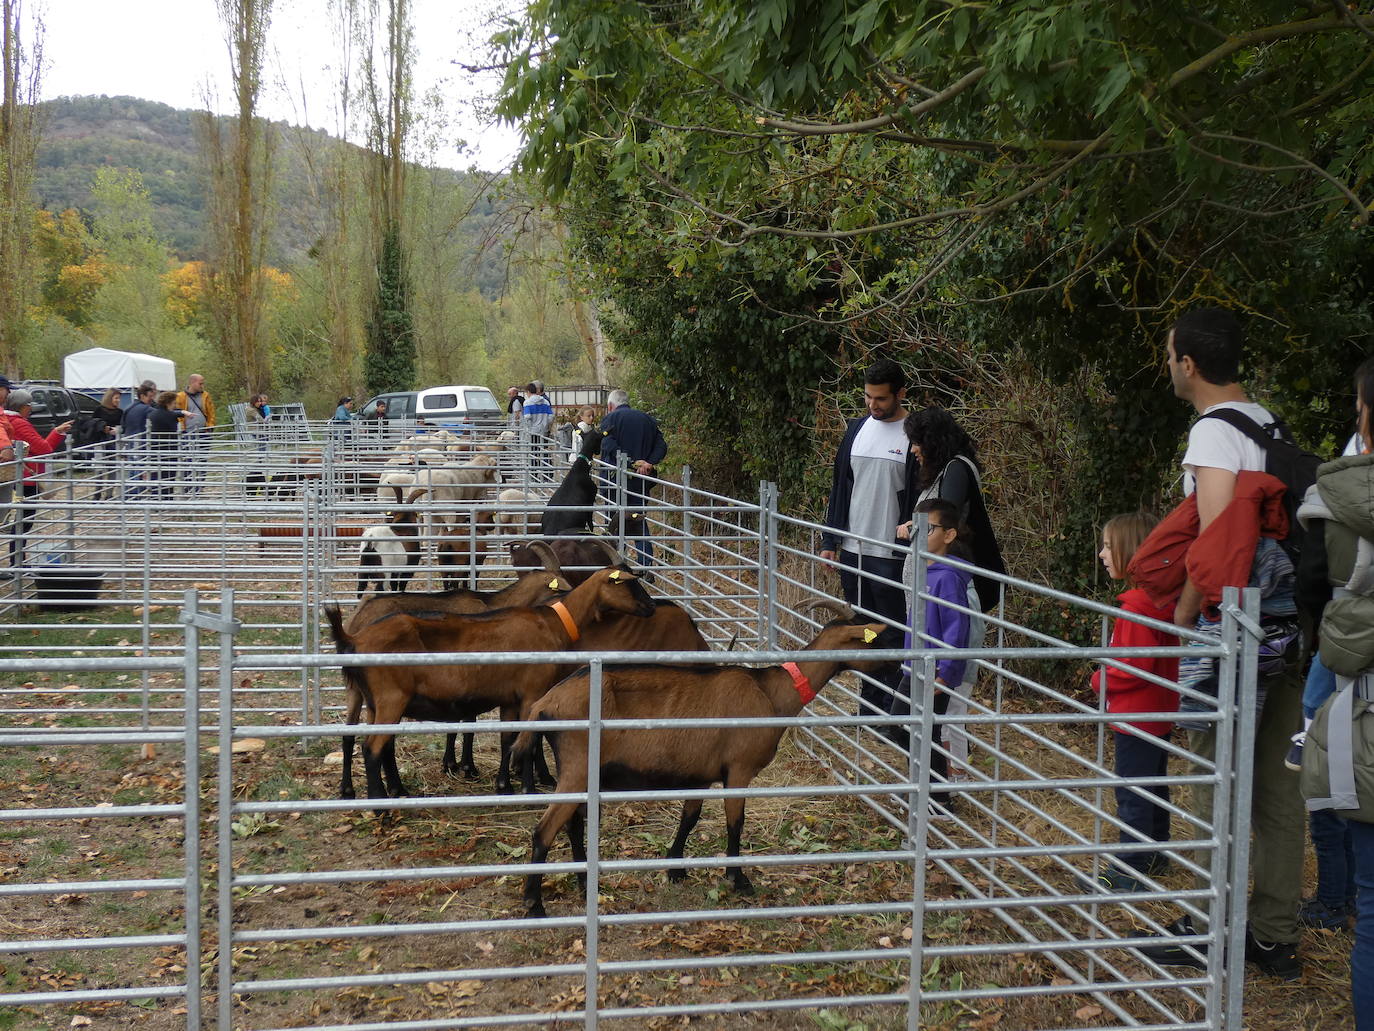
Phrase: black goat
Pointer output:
(571, 508)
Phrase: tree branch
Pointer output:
(1360, 220)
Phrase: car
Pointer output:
(54, 404)
(449, 407)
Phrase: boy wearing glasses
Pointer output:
(945, 626)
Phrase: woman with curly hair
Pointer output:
(951, 474)
(950, 470)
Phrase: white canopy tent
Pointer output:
(99, 367)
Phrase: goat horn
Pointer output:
(551, 563)
(416, 494)
(616, 558)
(839, 610)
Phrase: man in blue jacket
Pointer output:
(872, 491)
(637, 435)
(134, 436)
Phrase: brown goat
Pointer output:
(392, 691)
(579, 557)
(534, 588)
(679, 757)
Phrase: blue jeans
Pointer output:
(1321, 685)
(1330, 834)
(1362, 955)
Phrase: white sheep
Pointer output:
(388, 552)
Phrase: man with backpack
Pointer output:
(1234, 435)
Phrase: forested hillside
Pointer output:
(121, 252)
(84, 134)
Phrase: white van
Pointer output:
(451, 407)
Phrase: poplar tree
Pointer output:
(239, 155)
(19, 134)
(390, 358)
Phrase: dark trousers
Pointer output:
(877, 599)
(1141, 757)
(23, 523)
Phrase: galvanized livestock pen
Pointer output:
(175, 854)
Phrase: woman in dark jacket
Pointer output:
(163, 423)
(950, 470)
(103, 454)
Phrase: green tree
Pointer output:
(1020, 186)
(239, 155)
(390, 360)
(21, 65)
(130, 309)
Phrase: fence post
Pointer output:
(686, 522)
(621, 500)
(920, 747)
(592, 931)
(768, 559)
(224, 799)
(312, 563)
(1237, 689)
(191, 832)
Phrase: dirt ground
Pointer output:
(432, 976)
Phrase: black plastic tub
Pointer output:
(72, 589)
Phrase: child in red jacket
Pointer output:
(1138, 753)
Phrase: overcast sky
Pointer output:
(173, 50)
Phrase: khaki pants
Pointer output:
(1277, 816)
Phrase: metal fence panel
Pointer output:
(881, 898)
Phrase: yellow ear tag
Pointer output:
(553, 584)
(869, 637)
(615, 575)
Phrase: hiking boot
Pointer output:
(1174, 954)
(1293, 760)
(1315, 913)
(1277, 959)
(1112, 880)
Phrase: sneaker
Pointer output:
(1158, 864)
(1277, 959)
(1112, 880)
(1315, 913)
(940, 811)
(1293, 760)
(1172, 954)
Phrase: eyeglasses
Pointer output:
(937, 526)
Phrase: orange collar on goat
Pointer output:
(568, 624)
(800, 682)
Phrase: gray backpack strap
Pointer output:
(1362, 577)
(1340, 753)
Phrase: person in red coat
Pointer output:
(20, 404)
(1138, 753)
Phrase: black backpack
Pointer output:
(1284, 460)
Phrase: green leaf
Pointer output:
(1112, 86)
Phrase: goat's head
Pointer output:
(591, 443)
(846, 631)
(616, 590)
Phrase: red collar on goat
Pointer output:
(799, 681)
(567, 619)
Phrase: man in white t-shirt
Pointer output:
(1204, 352)
(872, 490)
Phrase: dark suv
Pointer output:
(54, 404)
